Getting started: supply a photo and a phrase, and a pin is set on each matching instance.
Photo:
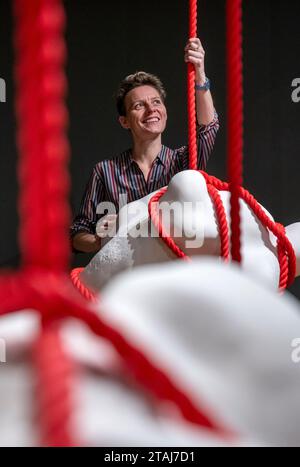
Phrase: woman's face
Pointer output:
(146, 114)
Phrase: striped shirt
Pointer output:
(122, 175)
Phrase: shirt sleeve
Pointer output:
(86, 219)
(206, 136)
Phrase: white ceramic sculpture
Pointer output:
(228, 344)
(195, 214)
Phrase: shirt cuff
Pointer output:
(74, 230)
(214, 124)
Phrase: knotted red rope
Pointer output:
(286, 254)
(192, 141)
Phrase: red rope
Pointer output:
(283, 243)
(286, 254)
(155, 217)
(83, 289)
(44, 181)
(282, 258)
(235, 119)
(55, 372)
(192, 141)
(150, 376)
(42, 120)
(235, 113)
(222, 221)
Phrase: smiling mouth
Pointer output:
(151, 120)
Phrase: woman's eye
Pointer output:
(157, 101)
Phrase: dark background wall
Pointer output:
(108, 40)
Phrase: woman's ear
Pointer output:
(123, 122)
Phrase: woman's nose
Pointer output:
(150, 106)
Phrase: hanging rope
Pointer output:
(235, 112)
(44, 185)
(234, 119)
(42, 142)
(192, 139)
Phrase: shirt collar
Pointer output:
(162, 156)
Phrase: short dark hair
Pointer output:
(139, 78)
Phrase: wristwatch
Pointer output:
(203, 87)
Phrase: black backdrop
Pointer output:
(108, 40)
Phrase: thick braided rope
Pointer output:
(234, 118)
(283, 261)
(154, 213)
(55, 372)
(42, 121)
(192, 140)
(83, 289)
(31, 229)
(282, 240)
(286, 254)
(43, 177)
(222, 221)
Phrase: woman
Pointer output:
(148, 165)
